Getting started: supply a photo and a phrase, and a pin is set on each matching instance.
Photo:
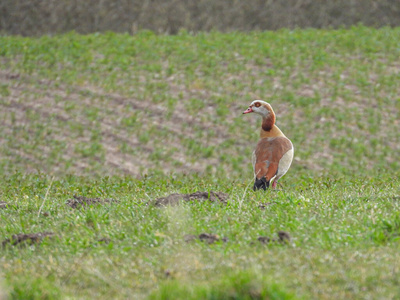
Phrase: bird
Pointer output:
(273, 154)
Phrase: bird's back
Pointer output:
(267, 157)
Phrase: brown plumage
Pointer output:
(274, 151)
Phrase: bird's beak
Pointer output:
(247, 111)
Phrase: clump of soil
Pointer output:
(79, 201)
(12, 76)
(264, 205)
(30, 238)
(263, 239)
(104, 240)
(168, 273)
(209, 238)
(4, 205)
(101, 242)
(175, 199)
(283, 237)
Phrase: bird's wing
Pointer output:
(268, 153)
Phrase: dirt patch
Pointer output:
(4, 204)
(263, 239)
(264, 205)
(175, 199)
(54, 114)
(79, 201)
(101, 242)
(208, 238)
(30, 238)
(190, 237)
(283, 237)
(12, 76)
(104, 240)
(168, 273)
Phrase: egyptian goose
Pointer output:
(274, 151)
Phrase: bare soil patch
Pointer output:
(263, 239)
(44, 101)
(79, 201)
(208, 238)
(4, 204)
(176, 199)
(30, 238)
(264, 205)
(104, 240)
(283, 237)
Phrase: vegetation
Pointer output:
(136, 118)
(344, 240)
(38, 17)
(120, 104)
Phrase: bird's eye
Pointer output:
(257, 104)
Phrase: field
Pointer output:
(125, 120)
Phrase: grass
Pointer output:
(344, 240)
(139, 117)
(76, 103)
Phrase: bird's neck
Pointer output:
(269, 129)
(274, 132)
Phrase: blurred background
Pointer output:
(158, 86)
(38, 17)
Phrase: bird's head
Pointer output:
(260, 107)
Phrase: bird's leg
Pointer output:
(274, 184)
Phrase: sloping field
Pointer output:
(106, 104)
(144, 189)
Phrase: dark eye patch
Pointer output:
(257, 104)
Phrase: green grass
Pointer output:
(345, 240)
(139, 117)
(335, 93)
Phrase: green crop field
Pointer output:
(125, 120)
